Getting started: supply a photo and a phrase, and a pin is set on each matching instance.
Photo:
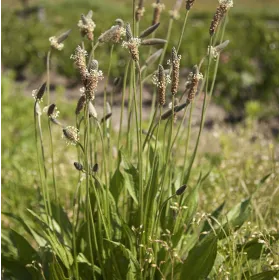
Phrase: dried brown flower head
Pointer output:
(192, 83)
(131, 44)
(71, 135)
(80, 61)
(219, 14)
(158, 8)
(160, 79)
(114, 34)
(175, 63)
(189, 4)
(92, 80)
(139, 10)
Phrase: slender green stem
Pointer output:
(141, 188)
(53, 178)
(48, 76)
(153, 163)
(123, 100)
(188, 140)
(202, 118)
(76, 199)
(87, 168)
(167, 39)
(39, 161)
(179, 127)
(183, 31)
(105, 91)
(44, 166)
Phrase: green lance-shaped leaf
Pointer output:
(26, 252)
(215, 214)
(254, 248)
(117, 182)
(191, 202)
(60, 250)
(38, 238)
(200, 259)
(126, 253)
(56, 271)
(235, 218)
(15, 268)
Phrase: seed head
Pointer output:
(55, 44)
(153, 41)
(52, 112)
(215, 51)
(160, 81)
(71, 135)
(175, 61)
(38, 94)
(78, 166)
(131, 44)
(95, 168)
(91, 83)
(114, 34)
(219, 14)
(63, 36)
(158, 8)
(181, 190)
(139, 10)
(87, 26)
(81, 104)
(192, 83)
(80, 61)
(128, 32)
(189, 4)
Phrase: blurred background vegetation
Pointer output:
(248, 72)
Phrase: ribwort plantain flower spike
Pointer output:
(192, 83)
(139, 10)
(38, 94)
(175, 63)
(52, 111)
(160, 79)
(221, 10)
(80, 61)
(87, 25)
(132, 43)
(181, 190)
(214, 52)
(71, 135)
(114, 34)
(158, 8)
(92, 80)
(63, 36)
(95, 168)
(78, 166)
(55, 43)
(189, 4)
(81, 104)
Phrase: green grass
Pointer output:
(126, 220)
